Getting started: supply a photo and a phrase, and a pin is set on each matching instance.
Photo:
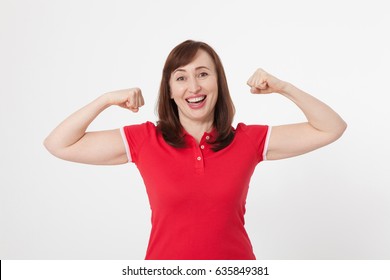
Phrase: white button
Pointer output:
(202, 147)
(198, 158)
(207, 137)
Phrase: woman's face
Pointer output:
(194, 87)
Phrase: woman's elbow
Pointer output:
(339, 130)
(46, 143)
(343, 128)
(51, 146)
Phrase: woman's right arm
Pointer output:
(70, 141)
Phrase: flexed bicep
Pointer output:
(323, 124)
(295, 139)
(70, 140)
(97, 147)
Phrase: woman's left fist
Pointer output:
(263, 82)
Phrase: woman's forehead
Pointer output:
(201, 60)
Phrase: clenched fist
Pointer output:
(130, 99)
(263, 82)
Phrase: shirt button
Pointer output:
(202, 147)
(198, 158)
(207, 137)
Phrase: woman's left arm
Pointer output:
(323, 125)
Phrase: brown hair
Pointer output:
(169, 123)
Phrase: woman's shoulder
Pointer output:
(147, 125)
(244, 127)
(252, 131)
(140, 130)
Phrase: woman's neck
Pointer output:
(197, 129)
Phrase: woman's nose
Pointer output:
(193, 85)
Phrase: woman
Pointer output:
(195, 166)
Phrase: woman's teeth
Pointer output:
(196, 99)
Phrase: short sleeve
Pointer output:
(134, 137)
(259, 135)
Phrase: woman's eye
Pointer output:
(203, 74)
(181, 78)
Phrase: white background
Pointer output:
(56, 56)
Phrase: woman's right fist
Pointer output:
(130, 99)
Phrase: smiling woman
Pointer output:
(193, 73)
(194, 88)
(196, 194)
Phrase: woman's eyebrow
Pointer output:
(183, 70)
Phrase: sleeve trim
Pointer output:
(124, 139)
(266, 143)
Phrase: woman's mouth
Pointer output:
(196, 102)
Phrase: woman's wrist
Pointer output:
(105, 100)
(286, 88)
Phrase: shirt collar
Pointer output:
(208, 136)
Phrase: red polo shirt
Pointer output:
(197, 196)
